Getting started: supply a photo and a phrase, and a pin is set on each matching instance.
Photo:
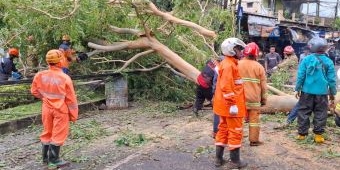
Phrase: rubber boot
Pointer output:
(45, 153)
(236, 162)
(319, 138)
(53, 158)
(219, 161)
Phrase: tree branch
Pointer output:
(170, 18)
(75, 7)
(126, 30)
(139, 43)
(150, 69)
(210, 47)
(175, 71)
(128, 62)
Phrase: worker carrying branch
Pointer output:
(70, 55)
(56, 91)
(7, 66)
(229, 104)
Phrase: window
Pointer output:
(250, 4)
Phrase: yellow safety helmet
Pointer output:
(54, 56)
(66, 38)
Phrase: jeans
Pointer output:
(216, 122)
(293, 114)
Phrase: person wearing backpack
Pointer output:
(316, 81)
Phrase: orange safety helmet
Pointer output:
(289, 50)
(65, 38)
(13, 52)
(54, 56)
(251, 49)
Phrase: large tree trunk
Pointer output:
(279, 104)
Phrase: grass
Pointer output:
(20, 111)
(131, 139)
(81, 135)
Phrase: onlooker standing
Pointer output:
(304, 54)
(272, 59)
(332, 53)
(315, 81)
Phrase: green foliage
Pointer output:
(87, 131)
(131, 139)
(20, 111)
(336, 24)
(13, 95)
(280, 78)
(91, 21)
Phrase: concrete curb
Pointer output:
(14, 125)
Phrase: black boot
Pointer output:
(219, 156)
(45, 153)
(236, 162)
(53, 158)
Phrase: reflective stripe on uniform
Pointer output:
(239, 81)
(246, 79)
(255, 104)
(234, 146)
(52, 95)
(238, 128)
(72, 106)
(254, 124)
(221, 144)
(228, 95)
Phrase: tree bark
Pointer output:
(279, 104)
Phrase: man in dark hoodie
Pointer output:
(204, 87)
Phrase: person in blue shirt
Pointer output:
(316, 81)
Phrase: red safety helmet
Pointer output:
(251, 49)
(288, 50)
(13, 52)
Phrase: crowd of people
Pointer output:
(238, 86)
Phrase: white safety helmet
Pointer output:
(228, 45)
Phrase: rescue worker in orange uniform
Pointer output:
(7, 66)
(255, 87)
(69, 54)
(56, 91)
(229, 104)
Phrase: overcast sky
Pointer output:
(327, 8)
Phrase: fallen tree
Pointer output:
(281, 102)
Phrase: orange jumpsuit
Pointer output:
(56, 91)
(255, 87)
(67, 59)
(229, 91)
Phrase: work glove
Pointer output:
(82, 56)
(297, 94)
(233, 110)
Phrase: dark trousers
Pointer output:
(316, 104)
(201, 95)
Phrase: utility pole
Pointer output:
(318, 8)
(307, 14)
(336, 9)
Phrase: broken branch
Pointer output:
(170, 18)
